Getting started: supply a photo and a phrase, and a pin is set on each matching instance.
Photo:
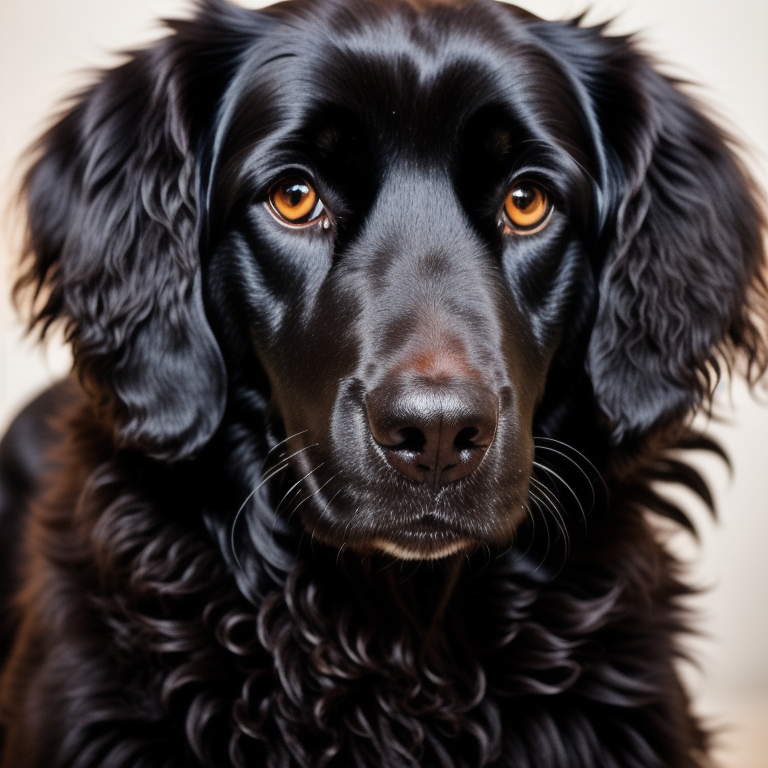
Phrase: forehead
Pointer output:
(412, 76)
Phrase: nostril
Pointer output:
(464, 440)
(412, 439)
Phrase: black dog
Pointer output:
(386, 316)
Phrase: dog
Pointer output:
(388, 320)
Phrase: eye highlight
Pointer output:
(527, 208)
(294, 202)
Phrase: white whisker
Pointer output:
(316, 491)
(281, 466)
(282, 442)
(295, 485)
(573, 493)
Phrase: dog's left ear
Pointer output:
(113, 251)
(681, 287)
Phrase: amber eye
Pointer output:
(527, 207)
(295, 202)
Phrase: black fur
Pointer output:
(375, 491)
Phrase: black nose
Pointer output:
(433, 433)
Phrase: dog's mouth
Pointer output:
(348, 492)
(426, 537)
(422, 549)
(406, 520)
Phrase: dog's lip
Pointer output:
(423, 549)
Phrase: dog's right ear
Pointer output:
(682, 292)
(114, 224)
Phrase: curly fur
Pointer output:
(190, 597)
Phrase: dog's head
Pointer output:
(410, 237)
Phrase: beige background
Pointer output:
(46, 44)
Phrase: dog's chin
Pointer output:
(429, 537)
(412, 545)
(424, 550)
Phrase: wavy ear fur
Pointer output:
(113, 231)
(682, 288)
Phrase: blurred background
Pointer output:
(47, 48)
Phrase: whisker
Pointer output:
(295, 485)
(574, 463)
(282, 442)
(560, 518)
(315, 492)
(284, 462)
(281, 466)
(242, 507)
(552, 504)
(538, 440)
(542, 507)
(568, 487)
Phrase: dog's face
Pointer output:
(380, 239)
(411, 238)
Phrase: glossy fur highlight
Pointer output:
(379, 489)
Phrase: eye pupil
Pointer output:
(524, 198)
(293, 194)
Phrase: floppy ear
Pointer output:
(113, 238)
(681, 289)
